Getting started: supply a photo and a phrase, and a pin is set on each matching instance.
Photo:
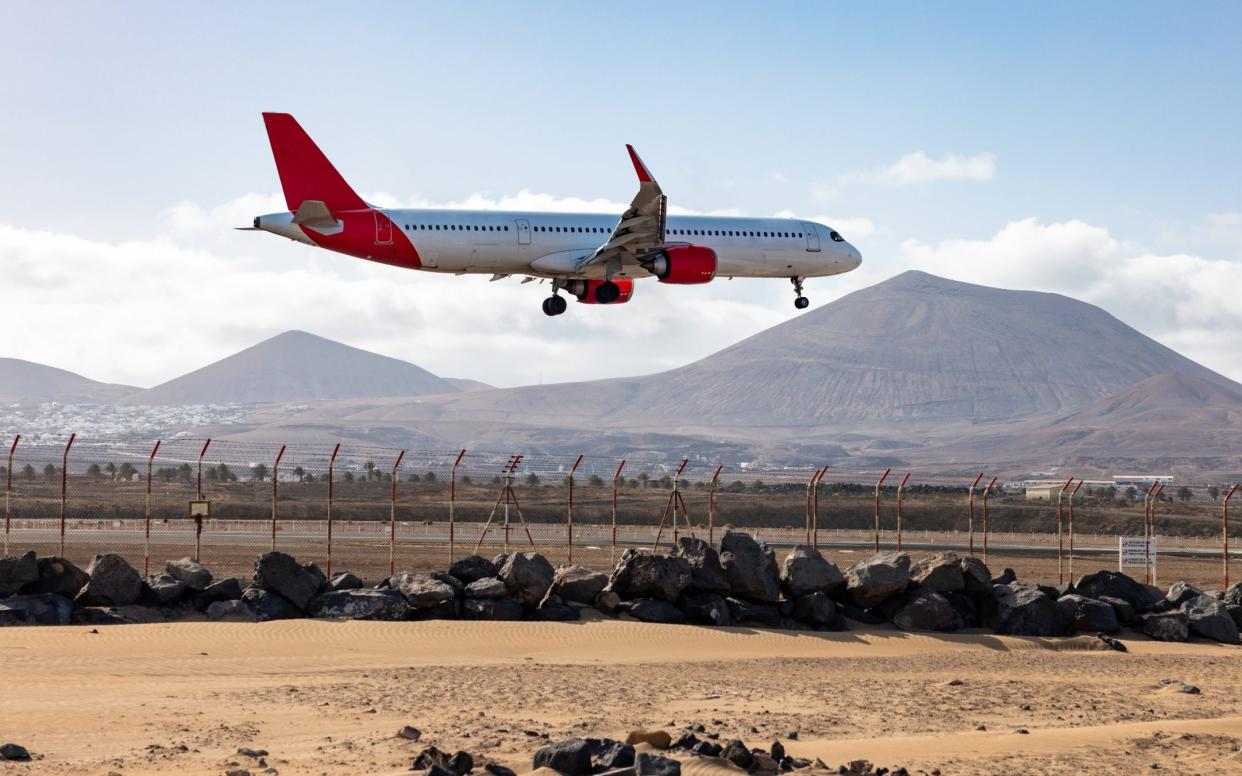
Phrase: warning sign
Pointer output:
(1136, 551)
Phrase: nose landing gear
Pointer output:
(801, 302)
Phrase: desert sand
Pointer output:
(327, 697)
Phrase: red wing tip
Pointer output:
(639, 167)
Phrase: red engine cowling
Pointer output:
(683, 265)
(585, 290)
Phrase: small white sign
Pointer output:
(1136, 551)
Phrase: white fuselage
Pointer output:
(553, 244)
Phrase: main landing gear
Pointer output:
(554, 305)
(801, 302)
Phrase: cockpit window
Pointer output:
(836, 236)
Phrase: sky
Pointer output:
(1087, 149)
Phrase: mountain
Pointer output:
(915, 350)
(466, 385)
(1166, 422)
(28, 382)
(295, 367)
(917, 370)
(919, 347)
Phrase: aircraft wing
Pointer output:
(641, 228)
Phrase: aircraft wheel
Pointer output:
(557, 305)
(547, 306)
(801, 302)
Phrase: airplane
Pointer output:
(593, 257)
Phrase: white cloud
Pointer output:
(920, 168)
(1186, 302)
(912, 169)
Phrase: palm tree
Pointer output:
(370, 467)
(300, 473)
(532, 479)
(110, 468)
(93, 470)
(50, 471)
(28, 472)
(644, 478)
(259, 472)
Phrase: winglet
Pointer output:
(644, 175)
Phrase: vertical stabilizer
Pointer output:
(305, 173)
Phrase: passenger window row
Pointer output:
(733, 233)
(455, 228)
(602, 230)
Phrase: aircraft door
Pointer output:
(812, 237)
(383, 229)
(523, 231)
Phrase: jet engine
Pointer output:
(584, 290)
(683, 265)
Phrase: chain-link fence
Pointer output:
(371, 509)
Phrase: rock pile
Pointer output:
(741, 585)
(605, 757)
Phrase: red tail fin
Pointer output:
(305, 173)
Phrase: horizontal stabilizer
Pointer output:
(315, 214)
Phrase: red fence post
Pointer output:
(673, 502)
(569, 508)
(900, 489)
(331, 472)
(8, 493)
(64, 486)
(819, 478)
(877, 507)
(1147, 531)
(199, 487)
(970, 516)
(1224, 534)
(615, 479)
(711, 505)
(275, 485)
(392, 519)
(1151, 574)
(986, 528)
(146, 541)
(806, 520)
(453, 500)
(1060, 534)
(1073, 493)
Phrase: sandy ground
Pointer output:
(327, 697)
